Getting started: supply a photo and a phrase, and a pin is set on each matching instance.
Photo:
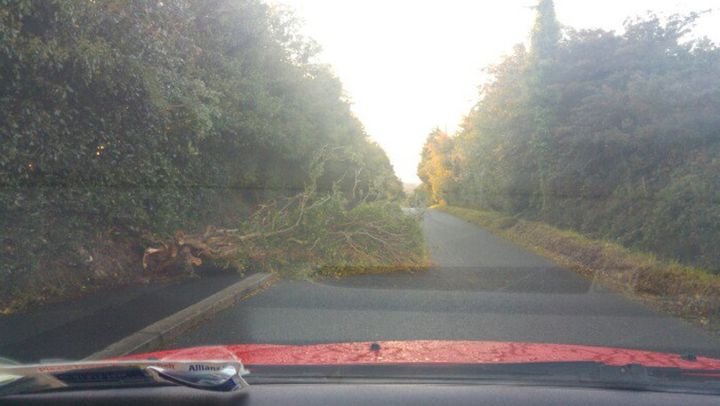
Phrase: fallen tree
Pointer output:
(185, 251)
(321, 234)
(325, 232)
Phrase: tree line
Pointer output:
(615, 135)
(123, 117)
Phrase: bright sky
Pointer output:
(411, 65)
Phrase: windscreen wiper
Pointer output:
(224, 376)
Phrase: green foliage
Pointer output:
(371, 237)
(546, 31)
(436, 165)
(334, 234)
(144, 115)
(325, 234)
(613, 135)
(421, 197)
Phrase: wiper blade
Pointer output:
(211, 375)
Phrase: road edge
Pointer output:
(163, 331)
(621, 274)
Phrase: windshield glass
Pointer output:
(495, 178)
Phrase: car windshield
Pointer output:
(449, 182)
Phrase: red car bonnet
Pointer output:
(429, 352)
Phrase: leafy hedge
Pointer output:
(134, 116)
(615, 135)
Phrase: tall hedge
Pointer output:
(149, 115)
(615, 135)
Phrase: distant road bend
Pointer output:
(483, 288)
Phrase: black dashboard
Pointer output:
(366, 394)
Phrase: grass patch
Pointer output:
(681, 290)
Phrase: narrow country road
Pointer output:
(482, 288)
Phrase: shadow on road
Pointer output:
(486, 279)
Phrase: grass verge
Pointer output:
(691, 293)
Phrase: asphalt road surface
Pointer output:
(482, 288)
(77, 328)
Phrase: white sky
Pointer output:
(411, 65)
